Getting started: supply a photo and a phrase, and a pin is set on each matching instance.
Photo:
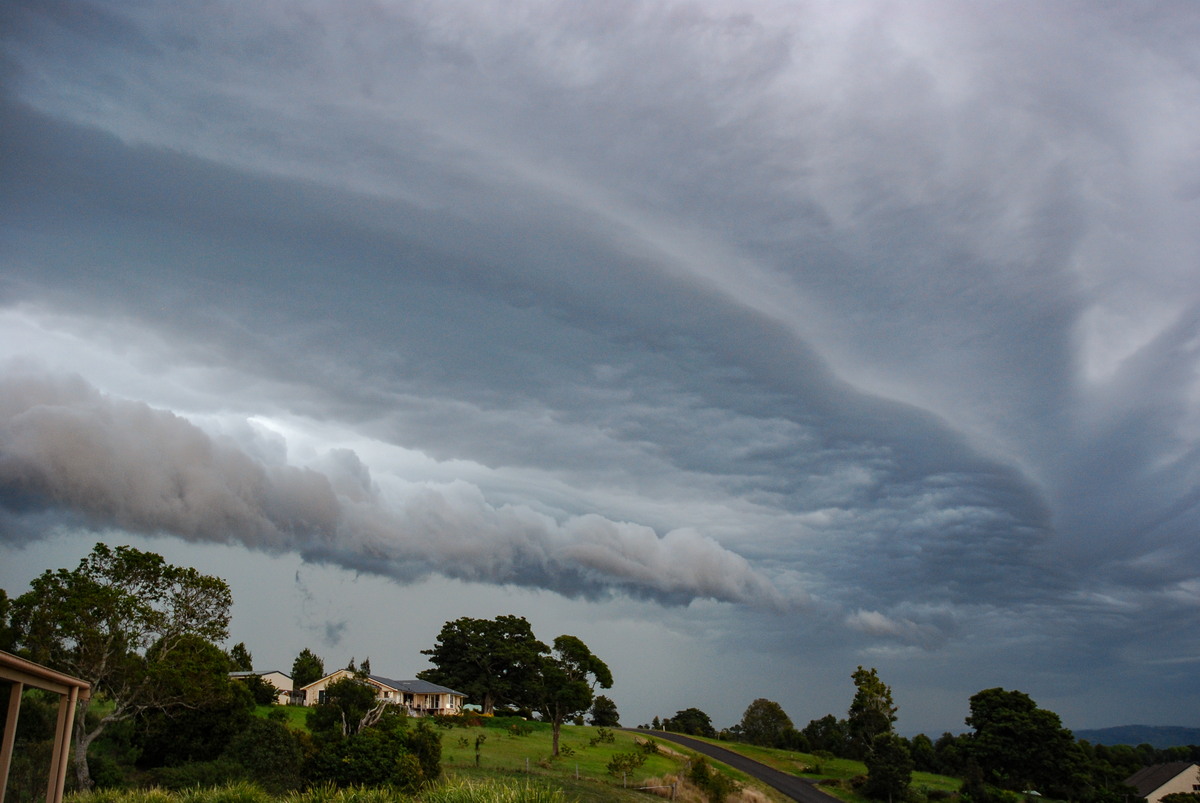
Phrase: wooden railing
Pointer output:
(22, 673)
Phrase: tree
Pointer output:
(489, 660)
(1019, 746)
(764, 723)
(690, 722)
(307, 668)
(8, 638)
(350, 706)
(565, 682)
(871, 711)
(828, 734)
(604, 713)
(889, 768)
(386, 754)
(98, 621)
(240, 658)
(212, 708)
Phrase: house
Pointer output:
(280, 680)
(1153, 783)
(419, 697)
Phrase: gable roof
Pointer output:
(259, 673)
(1148, 779)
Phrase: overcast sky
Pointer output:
(747, 341)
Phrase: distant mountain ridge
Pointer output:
(1158, 736)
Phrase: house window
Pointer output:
(321, 696)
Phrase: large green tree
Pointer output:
(489, 660)
(604, 713)
(98, 621)
(240, 658)
(565, 682)
(765, 723)
(872, 711)
(1019, 746)
(691, 722)
(889, 768)
(307, 668)
(212, 710)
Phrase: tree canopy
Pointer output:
(604, 713)
(872, 711)
(1019, 746)
(566, 680)
(240, 658)
(765, 723)
(690, 722)
(307, 668)
(889, 768)
(98, 621)
(489, 660)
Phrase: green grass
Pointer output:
(297, 715)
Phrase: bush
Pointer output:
(715, 785)
(625, 762)
(200, 774)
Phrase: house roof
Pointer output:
(259, 672)
(1149, 779)
(415, 686)
(409, 686)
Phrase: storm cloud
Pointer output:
(819, 334)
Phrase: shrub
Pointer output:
(200, 774)
(625, 762)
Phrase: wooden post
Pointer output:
(10, 733)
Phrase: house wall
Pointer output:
(281, 682)
(417, 704)
(312, 692)
(1186, 781)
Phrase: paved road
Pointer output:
(792, 786)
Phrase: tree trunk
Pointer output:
(557, 726)
(489, 704)
(83, 740)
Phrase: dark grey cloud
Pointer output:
(887, 310)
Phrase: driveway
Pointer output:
(794, 787)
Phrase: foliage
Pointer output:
(828, 734)
(490, 660)
(261, 689)
(240, 658)
(307, 668)
(622, 763)
(764, 723)
(211, 708)
(564, 682)
(271, 753)
(8, 637)
(1019, 746)
(350, 706)
(715, 785)
(493, 792)
(604, 713)
(889, 768)
(603, 736)
(386, 754)
(97, 622)
(872, 711)
(690, 722)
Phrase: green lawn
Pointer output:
(297, 715)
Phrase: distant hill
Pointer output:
(1159, 736)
